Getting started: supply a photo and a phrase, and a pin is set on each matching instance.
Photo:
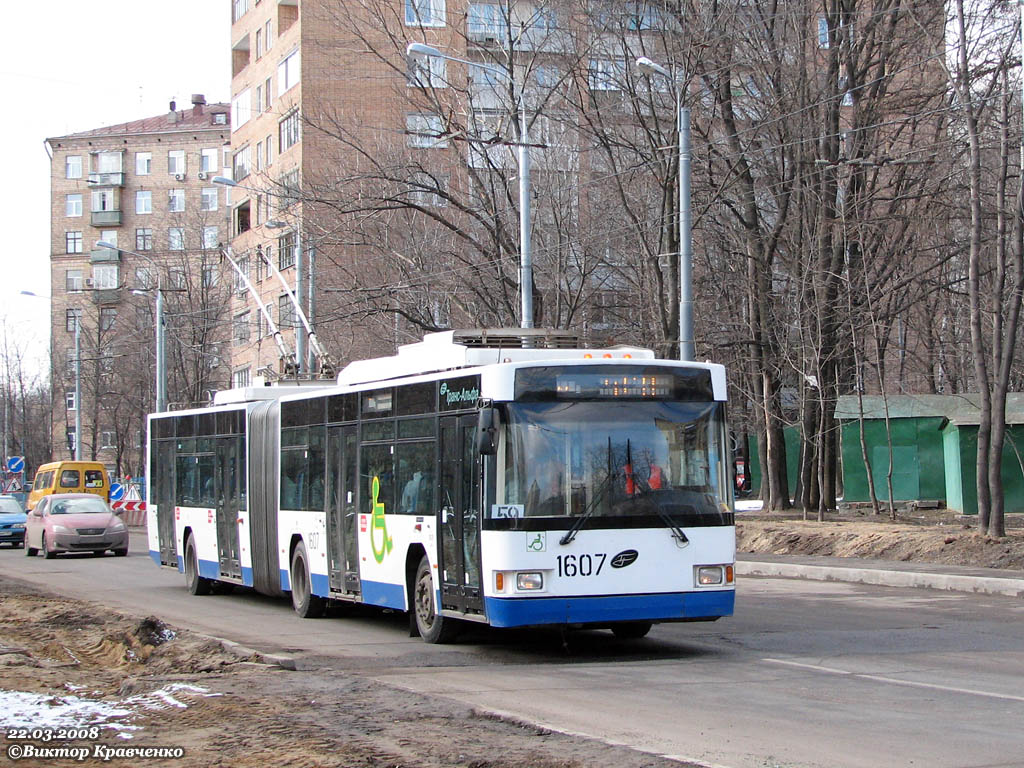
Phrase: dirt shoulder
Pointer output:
(925, 536)
(140, 683)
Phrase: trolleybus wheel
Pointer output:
(433, 627)
(49, 555)
(631, 630)
(306, 604)
(197, 585)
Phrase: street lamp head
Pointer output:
(225, 181)
(275, 224)
(415, 51)
(649, 67)
(105, 244)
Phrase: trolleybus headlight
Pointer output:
(530, 581)
(709, 575)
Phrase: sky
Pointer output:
(75, 65)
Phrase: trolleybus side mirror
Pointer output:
(487, 432)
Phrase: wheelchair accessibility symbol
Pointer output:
(537, 541)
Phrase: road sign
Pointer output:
(12, 486)
(116, 491)
(16, 463)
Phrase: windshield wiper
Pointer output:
(633, 489)
(602, 489)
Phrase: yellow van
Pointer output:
(69, 477)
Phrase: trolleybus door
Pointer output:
(343, 561)
(163, 485)
(229, 480)
(459, 524)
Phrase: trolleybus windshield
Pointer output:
(619, 463)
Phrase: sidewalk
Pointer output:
(886, 573)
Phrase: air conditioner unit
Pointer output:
(203, 175)
(179, 176)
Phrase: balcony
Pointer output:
(104, 255)
(113, 179)
(106, 218)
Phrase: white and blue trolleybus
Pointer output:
(483, 476)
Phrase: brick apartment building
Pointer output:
(145, 187)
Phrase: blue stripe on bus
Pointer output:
(384, 594)
(155, 557)
(519, 612)
(286, 584)
(321, 585)
(209, 569)
(247, 576)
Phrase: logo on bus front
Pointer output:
(624, 558)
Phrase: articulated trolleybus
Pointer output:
(482, 476)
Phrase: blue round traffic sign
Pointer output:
(16, 463)
(116, 491)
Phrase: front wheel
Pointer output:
(432, 626)
(306, 604)
(47, 553)
(30, 551)
(121, 552)
(196, 584)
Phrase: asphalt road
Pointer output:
(808, 674)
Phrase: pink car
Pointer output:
(74, 522)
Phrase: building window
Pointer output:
(259, 44)
(176, 162)
(208, 161)
(73, 280)
(108, 439)
(211, 237)
(69, 400)
(241, 377)
(268, 35)
(424, 13)
(259, 99)
(176, 277)
(607, 74)
(424, 131)
(261, 264)
(72, 317)
(108, 236)
(486, 22)
(208, 199)
(144, 279)
(823, 32)
(144, 239)
(211, 275)
(428, 190)
(176, 200)
(288, 131)
(108, 316)
(143, 201)
(268, 98)
(288, 72)
(266, 328)
(72, 242)
(73, 167)
(107, 162)
(176, 239)
(104, 276)
(143, 163)
(241, 328)
(286, 250)
(286, 317)
(73, 205)
(243, 269)
(103, 200)
(239, 9)
(241, 109)
(289, 188)
(241, 162)
(430, 72)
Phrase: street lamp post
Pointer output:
(686, 350)
(416, 51)
(160, 351)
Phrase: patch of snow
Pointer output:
(21, 709)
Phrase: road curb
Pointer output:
(245, 652)
(986, 585)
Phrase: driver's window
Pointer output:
(69, 478)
